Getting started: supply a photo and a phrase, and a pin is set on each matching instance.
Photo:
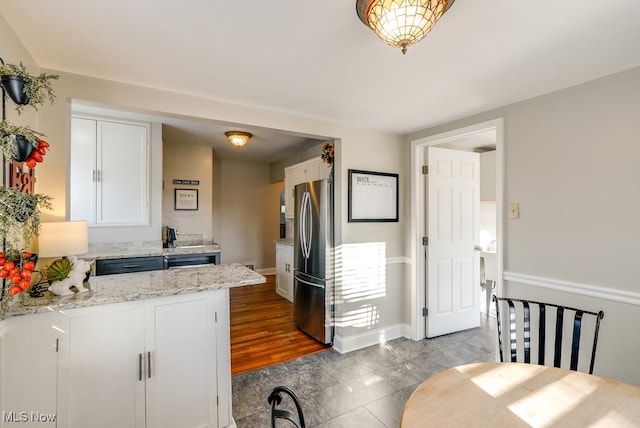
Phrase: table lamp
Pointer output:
(65, 239)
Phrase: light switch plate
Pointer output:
(514, 210)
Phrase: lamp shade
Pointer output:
(401, 23)
(65, 238)
(238, 138)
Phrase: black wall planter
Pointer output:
(23, 148)
(14, 85)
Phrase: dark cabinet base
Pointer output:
(128, 265)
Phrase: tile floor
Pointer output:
(368, 387)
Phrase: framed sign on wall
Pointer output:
(186, 199)
(373, 196)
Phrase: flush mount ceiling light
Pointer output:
(401, 23)
(238, 138)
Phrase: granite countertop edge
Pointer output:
(288, 241)
(151, 251)
(128, 287)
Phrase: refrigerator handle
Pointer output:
(309, 225)
(302, 223)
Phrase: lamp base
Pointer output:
(75, 279)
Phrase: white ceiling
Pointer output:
(315, 58)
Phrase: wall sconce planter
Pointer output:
(24, 148)
(24, 88)
(14, 85)
(15, 141)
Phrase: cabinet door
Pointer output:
(284, 271)
(101, 370)
(122, 174)
(28, 364)
(180, 355)
(292, 176)
(283, 265)
(288, 277)
(83, 170)
(317, 170)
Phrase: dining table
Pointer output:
(495, 394)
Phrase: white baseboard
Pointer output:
(612, 294)
(371, 337)
(267, 271)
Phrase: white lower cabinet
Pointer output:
(28, 364)
(162, 362)
(284, 271)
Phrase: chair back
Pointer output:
(275, 399)
(551, 333)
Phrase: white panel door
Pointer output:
(453, 221)
(123, 178)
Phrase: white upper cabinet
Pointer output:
(302, 172)
(109, 178)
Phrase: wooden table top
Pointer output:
(521, 395)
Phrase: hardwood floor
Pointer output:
(262, 329)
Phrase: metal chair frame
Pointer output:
(542, 325)
(275, 398)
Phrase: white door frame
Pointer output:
(417, 212)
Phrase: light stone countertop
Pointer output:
(108, 289)
(287, 241)
(118, 251)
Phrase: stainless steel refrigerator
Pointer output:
(313, 259)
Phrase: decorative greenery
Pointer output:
(20, 215)
(38, 88)
(327, 154)
(8, 134)
(58, 270)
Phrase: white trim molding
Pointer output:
(398, 260)
(369, 338)
(613, 294)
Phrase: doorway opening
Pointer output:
(483, 137)
(262, 329)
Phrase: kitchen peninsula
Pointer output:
(143, 349)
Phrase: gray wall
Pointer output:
(572, 163)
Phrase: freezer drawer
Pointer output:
(311, 312)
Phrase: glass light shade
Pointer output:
(401, 23)
(238, 138)
(65, 238)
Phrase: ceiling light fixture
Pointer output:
(238, 138)
(401, 23)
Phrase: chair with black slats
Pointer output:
(532, 325)
(275, 399)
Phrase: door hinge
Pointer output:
(425, 312)
(425, 169)
(425, 240)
